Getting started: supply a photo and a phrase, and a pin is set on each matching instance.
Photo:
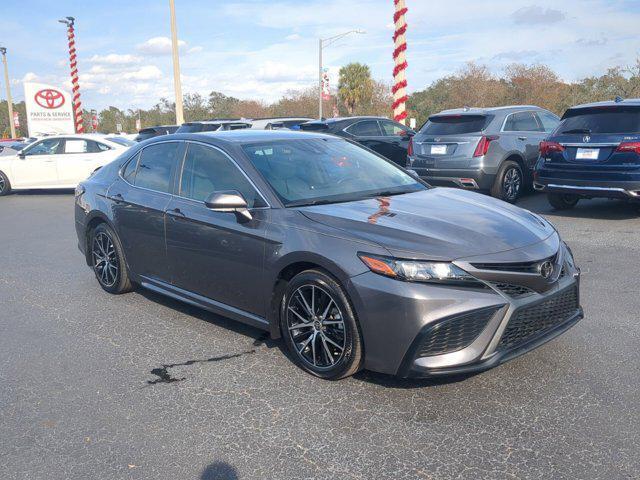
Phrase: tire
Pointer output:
(562, 201)
(327, 344)
(509, 182)
(5, 185)
(112, 274)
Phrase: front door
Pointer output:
(398, 137)
(36, 166)
(218, 255)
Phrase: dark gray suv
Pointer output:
(351, 260)
(489, 149)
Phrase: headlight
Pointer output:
(419, 271)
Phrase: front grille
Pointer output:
(455, 333)
(520, 267)
(531, 321)
(514, 291)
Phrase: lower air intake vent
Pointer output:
(536, 319)
(455, 333)
(514, 291)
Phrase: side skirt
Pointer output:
(204, 302)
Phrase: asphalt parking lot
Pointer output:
(140, 386)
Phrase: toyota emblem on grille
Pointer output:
(546, 269)
(586, 139)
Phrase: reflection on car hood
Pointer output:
(439, 223)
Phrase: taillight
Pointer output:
(483, 145)
(629, 147)
(410, 147)
(547, 148)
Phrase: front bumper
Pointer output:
(398, 322)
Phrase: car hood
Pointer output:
(438, 224)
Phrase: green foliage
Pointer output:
(355, 87)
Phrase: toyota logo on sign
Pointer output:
(49, 98)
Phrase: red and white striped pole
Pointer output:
(77, 105)
(399, 88)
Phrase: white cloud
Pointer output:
(196, 49)
(158, 46)
(147, 72)
(115, 59)
(293, 36)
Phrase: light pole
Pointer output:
(3, 51)
(323, 43)
(176, 65)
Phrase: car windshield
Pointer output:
(121, 141)
(601, 120)
(318, 170)
(454, 124)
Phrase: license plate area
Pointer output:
(587, 153)
(438, 150)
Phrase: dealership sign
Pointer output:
(49, 109)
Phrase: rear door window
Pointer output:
(156, 166)
(522, 122)
(455, 124)
(392, 129)
(548, 121)
(620, 120)
(366, 128)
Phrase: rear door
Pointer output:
(526, 133)
(79, 159)
(36, 164)
(398, 137)
(369, 134)
(449, 141)
(139, 199)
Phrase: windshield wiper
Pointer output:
(577, 130)
(309, 203)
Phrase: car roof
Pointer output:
(197, 122)
(486, 110)
(345, 119)
(628, 102)
(240, 136)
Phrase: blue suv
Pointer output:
(594, 152)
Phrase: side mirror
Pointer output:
(22, 155)
(228, 201)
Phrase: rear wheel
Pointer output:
(508, 183)
(319, 326)
(562, 201)
(107, 260)
(5, 185)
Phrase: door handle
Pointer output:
(116, 198)
(522, 138)
(176, 212)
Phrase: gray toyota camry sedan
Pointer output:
(351, 260)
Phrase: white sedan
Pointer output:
(60, 161)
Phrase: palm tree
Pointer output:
(355, 86)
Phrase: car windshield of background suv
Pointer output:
(312, 171)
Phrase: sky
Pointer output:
(260, 49)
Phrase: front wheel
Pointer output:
(562, 201)
(508, 183)
(107, 260)
(5, 185)
(319, 327)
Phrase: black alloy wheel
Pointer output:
(508, 184)
(107, 260)
(5, 186)
(319, 327)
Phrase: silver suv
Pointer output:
(489, 149)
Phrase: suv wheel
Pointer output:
(319, 327)
(508, 183)
(5, 186)
(107, 260)
(562, 201)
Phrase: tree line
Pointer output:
(357, 93)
